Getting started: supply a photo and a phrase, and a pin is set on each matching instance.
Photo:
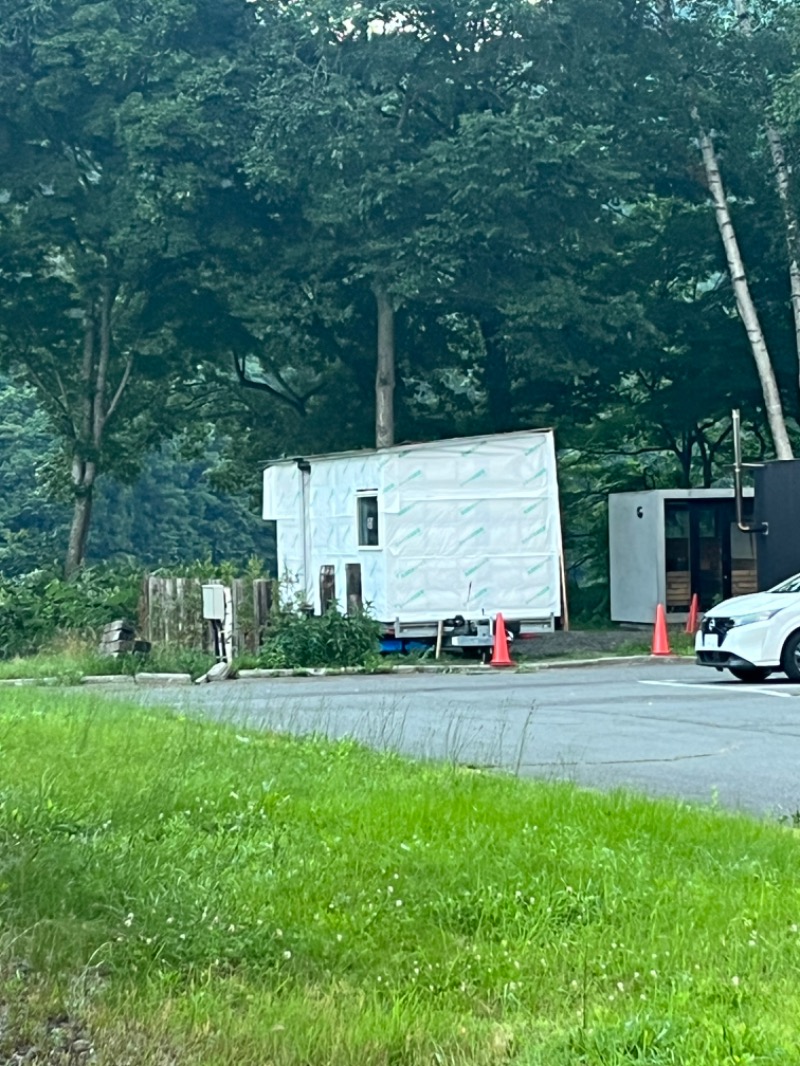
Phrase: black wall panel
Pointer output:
(777, 503)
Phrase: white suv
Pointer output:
(754, 636)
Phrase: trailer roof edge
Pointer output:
(405, 446)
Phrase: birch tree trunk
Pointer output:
(385, 376)
(744, 300)
(792, 227)
(790, 220)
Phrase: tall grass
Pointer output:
(186, 893)
(68, 660)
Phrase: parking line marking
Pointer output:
(745, 690)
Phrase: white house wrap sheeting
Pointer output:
(469, 526)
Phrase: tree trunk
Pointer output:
(385, 377)
(706, 458)
(496, 376)
(744, 300)
(83, 477)
(791, 223)
(685, 451)
(100, 398)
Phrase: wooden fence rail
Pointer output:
(171, 613)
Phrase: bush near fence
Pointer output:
(37, 608)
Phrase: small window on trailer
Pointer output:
(367, 519)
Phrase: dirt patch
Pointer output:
(586, 642)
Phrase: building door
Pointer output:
(706, 553)
(709, 535)
(678, 555)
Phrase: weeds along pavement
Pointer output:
(665, 729)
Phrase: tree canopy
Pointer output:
(311, 228)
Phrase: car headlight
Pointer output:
(758, 616)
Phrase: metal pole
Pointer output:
(736, 425)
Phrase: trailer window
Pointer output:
(327, 587)
(355, 601)
(368, 521)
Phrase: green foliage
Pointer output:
(31, 521)
(588, 605)
(205, 190)
(186, 890)
(298, 639)
(177, 509)
(108, 140)
(226, 570)
(35, 608)
(176, 515)
(332, 639)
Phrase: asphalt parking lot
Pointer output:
(662, 728)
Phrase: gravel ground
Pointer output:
(578, 642)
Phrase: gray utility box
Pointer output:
(214, 602)
(665, 545)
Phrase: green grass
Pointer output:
(680, 643)
(181, 892)
(74, 660)
(67, 667)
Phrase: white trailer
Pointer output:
(450, 531)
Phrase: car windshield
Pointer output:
(791, 584)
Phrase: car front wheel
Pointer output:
(790, 659)
(751, 675)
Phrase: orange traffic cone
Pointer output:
(660, 638)
(691, 621)
(500, 656)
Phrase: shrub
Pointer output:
(331, 639)
(37, 607)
